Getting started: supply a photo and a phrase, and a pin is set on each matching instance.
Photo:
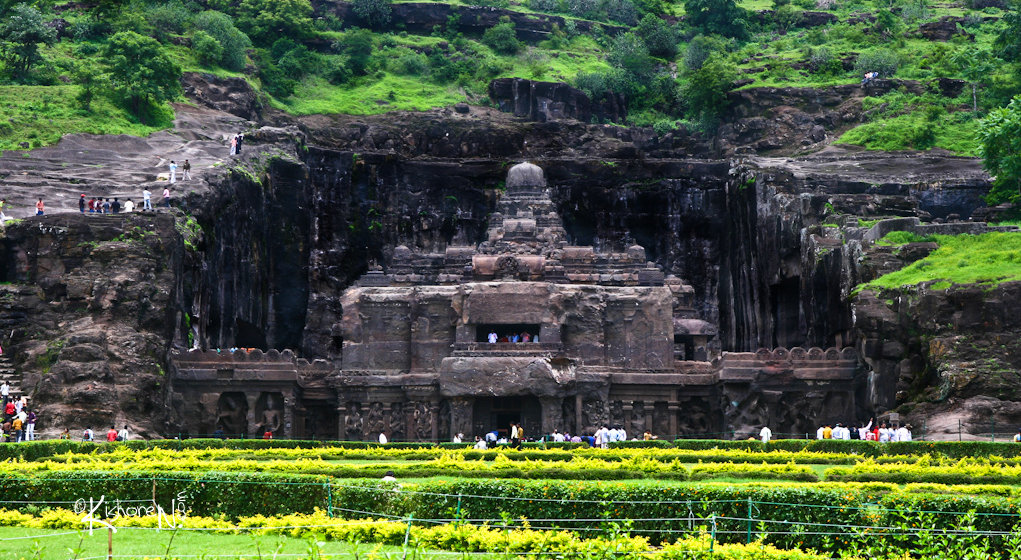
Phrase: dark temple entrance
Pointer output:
(497, 413)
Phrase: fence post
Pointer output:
(407, 533)
(992, 428)
(329, 499)
(712, 535)
(958, 429)
(109, 543)
(749, 540)
(457, 513)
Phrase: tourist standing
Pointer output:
(106, 206)
(241, 138)
(173, 171)
(88, 435)
(233, 144)
(515, 435)
(166, 196)
(492, 337)
(30, 426)
(111, 435)
(5, 392)
(382, 438)
(40, 208)
(187, 170)
(146, 200)
(81, 203)
(18, 426)
(766, 434)
(904, 433)
(115, 206)
(123, 435)
(129, 206)
(3, 217)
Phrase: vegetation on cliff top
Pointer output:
(673, 72)
(987, 259)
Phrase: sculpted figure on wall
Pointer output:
(397, 421)
(374, 422)
(422, 421)
(232, 413)
(616, 413)
(354, 422)
(568, 414)
(694, 418)
(637, 419)
(271, 419)
(593, 414)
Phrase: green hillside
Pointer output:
(110, 66)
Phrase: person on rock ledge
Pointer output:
(40, 208)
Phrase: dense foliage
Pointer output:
(637, 51)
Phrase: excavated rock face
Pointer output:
(101, 316)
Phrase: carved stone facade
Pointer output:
(522, 328)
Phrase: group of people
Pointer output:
(185, 167)
(18, 419)
(516, 434)
(884, 432)
(869, 76)
(112, 435)
(235, 144)
(493, 338)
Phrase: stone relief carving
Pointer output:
(693, 418)
(569, 420)
(397, 421)
(616, 413)
(444, 426)
(271, 419)
(422, 421)
(374, 421)
(353, 423)
(637, 419)
(593, 414)
(232, 413)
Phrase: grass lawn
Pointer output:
(55, 544)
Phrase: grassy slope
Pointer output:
(768, 60)
(987, 259)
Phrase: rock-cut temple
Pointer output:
(583, 338)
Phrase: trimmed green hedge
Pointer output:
(651, 506)
(209, 493)
(951, 449)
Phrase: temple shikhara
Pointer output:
(523, 327)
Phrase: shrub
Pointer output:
(221, 27)
(502, 38)
(699, 49)
(623, 11)
(266, 20)
(298, 62)
(821, 60)
(168, 18)
(720, 17)
(357, 44)
(585, 9)
(410, 63)
(207, 50)
(548, 6)
(629, 53)
(884, 61)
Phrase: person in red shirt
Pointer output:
(112, 434)
(9, 408)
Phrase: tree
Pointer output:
(21, 32)
(628, 52)
(1000, 148)
(139, 72)
(86, 75)
(977, 66)
(659, 36)
(720, 17)
(267, 20)
(376, 13)
(357, 44)
(1008, 43)
(705, 90)
(234, 42)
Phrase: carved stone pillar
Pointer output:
(552, 414)
(627, 408)
(461, 416)
(674, 409)
(434, 419)
(578, 426)
(289, 416)
(341, 417)
(386, 420)
(252, 398)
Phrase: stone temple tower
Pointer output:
(573, 328)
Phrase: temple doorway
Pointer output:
(497, 413)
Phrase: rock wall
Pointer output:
(91, 310)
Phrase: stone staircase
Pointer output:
(12, 378)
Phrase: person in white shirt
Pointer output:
(146, 200)
(129, 206)
(766, 434)
(818, 433)
(123, 435)
(173, 171)
(603, 437)
(885, 433)
(492, 337)
(382, 437)
(903, 433)
(557, 436)
(863, 432)
(457, 437)
(480, 444)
